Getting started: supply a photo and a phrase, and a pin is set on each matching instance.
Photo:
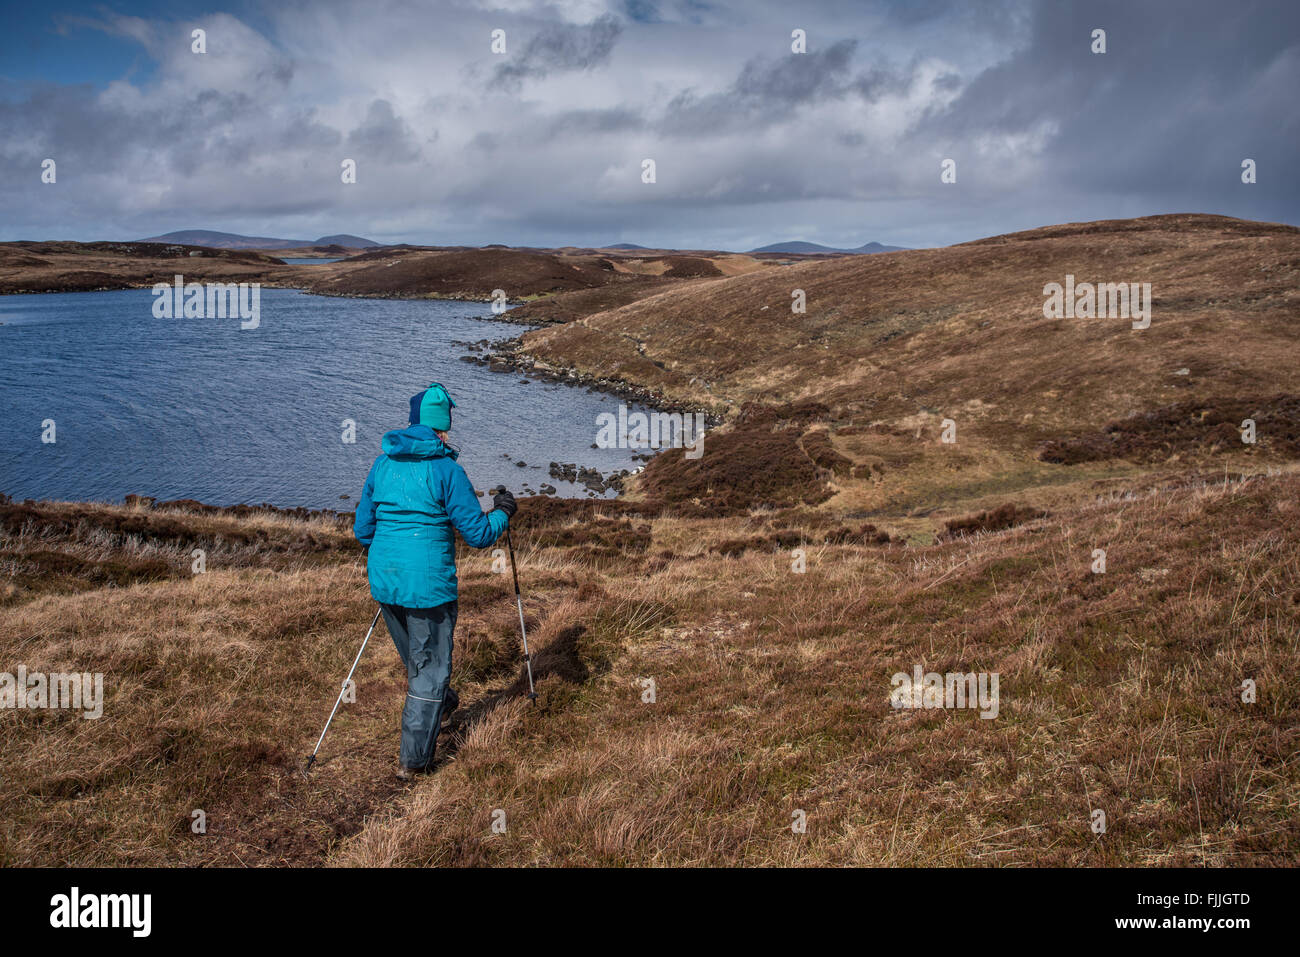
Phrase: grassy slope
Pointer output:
(892, 344)
(1118, 692)
(899, 333)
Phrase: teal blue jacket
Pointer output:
(415, 494)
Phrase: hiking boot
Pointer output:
(410, 774)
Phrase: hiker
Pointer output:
(415, 494)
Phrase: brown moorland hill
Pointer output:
(567, 283)
(920, 327)
(564, 284)
(468, 274)
(578, 303)
(82, 267)
(894, 344)
(656, 272)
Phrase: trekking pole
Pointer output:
(311, 759)
(519, 603)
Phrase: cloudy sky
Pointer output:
(543, 144)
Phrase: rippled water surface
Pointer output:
(200, 408)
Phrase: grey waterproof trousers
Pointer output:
(423, 639)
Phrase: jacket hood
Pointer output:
(415, 442)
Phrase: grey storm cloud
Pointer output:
(767, 89)
(796, 78)
(753, 143)
(559, 49)
(1181, 96)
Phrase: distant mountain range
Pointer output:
(220, 240)
(795, 247)
(807, 248)
(217, 240)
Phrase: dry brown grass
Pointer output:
(960, 331)
(1118, 691)
(895, 343)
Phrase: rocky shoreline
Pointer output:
(507, 355)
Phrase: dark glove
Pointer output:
(505, 501)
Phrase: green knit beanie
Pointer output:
(435, 408)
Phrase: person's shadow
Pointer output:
(560, 658)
